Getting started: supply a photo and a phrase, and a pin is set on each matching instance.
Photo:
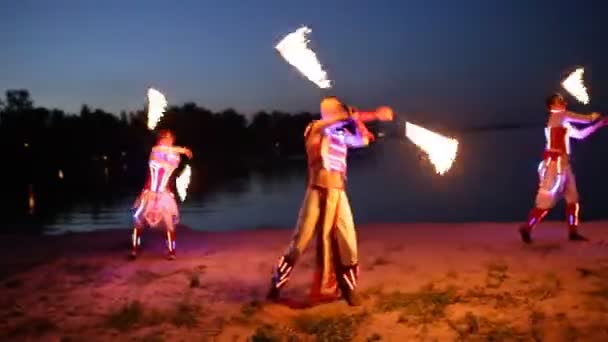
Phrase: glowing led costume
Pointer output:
(326, 211)
(556, 178)
(156, 204)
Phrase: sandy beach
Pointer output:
(420, 282)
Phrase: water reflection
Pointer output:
(493, 179)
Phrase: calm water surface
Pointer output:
(493, 179)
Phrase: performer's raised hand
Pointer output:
(384, 113)
(188, 152)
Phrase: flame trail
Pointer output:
(156, 107)
(294, 49)
(575, 86)
(441, 150)
(182, 182)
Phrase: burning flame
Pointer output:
(575, 86)
(182, 182)
(294, 49)
(441, 150)
(156, 107)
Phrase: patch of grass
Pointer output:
(374, 337)
(371, 291)
(249, 309)
(452, 275)
(496, 275)
(424, 306)
(340, 328)
(537, 319)
(153, 317)
(155, 336)
(266, 333)
(474, 328)
(548, 287)
(14, 283)
(467, 326)
(126, 317)
(35, 326)
(479, 295)
(194, 280)
(586, 272)
(186, 315)
(380, 261)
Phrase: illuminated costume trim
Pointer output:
(326, 213)
(156, 204)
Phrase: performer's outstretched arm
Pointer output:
(581, 118)
(583, 133)
(175, 149)
(381, 114)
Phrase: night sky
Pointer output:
(437, 61)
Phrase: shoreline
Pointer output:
(473, 281)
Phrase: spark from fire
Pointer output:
(440, 150)
(157, 104)
(294, 49)
(182, 182)
(575, 85)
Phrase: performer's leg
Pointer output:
(170, 236)
(324, 285)
(572, 208)
(305, 228)
(136, 238)
(346, 242)
(549, 188)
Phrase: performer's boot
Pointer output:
(347, 281)
(536, 215)
(280, 277)
(135, 242)
(171, 244)
(572, 211)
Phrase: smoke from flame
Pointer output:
(441, 150)
(575, 86)
(294, 49)
(182, 182)
(156, 107)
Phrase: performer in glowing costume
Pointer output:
(555, 173)
(326, 210)
(156, 204)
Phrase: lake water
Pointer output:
(493, 179)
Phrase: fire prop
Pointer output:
(182, 182)
(441, 150)
(294, 49)
(575, 86)
(156, 107)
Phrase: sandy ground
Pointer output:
(423, 282)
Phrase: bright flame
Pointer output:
(441, 150)
(182, 182)
(156, 107)
(575, 86)
(294, 48)
(60, 175)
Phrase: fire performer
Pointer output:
(156, 204)
(325, 211)
(556, 176)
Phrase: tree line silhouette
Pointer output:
(40, 143)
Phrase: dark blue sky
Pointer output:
(440, 61)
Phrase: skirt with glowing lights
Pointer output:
(154, 208)
(556, 181)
